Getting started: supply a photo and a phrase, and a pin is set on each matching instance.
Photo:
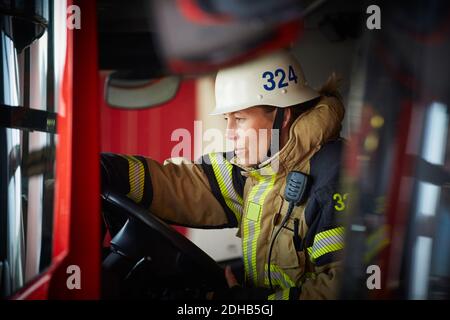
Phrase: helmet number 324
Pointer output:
(279, 75)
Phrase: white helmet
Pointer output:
(275, 80)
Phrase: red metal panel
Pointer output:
(84, 246)
(63, 177)
(148, 132)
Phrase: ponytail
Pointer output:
(331, 87)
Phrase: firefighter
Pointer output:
(245, 188)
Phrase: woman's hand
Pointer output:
(236, 292)
(231, 279)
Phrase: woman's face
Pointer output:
(250, 132)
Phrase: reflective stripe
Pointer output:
(327, 249)
(332, 232)
(278, 276)
(280, 295)
(223, 171)
(136, 176)
(376, 242)
(326, 242)
(251, 228)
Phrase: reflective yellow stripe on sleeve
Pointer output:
(136, 176)
(376, 242)
(326, 242)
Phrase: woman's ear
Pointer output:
(287, 117)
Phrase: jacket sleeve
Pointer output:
(324, 240)
(182, 192)
(324, 286)
(324, 247)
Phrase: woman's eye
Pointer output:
(240, 119)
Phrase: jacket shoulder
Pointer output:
(326, 163)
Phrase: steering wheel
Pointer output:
(142, 225)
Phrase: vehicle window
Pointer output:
(27, 146)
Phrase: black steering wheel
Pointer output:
(145, 240)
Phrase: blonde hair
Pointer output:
(331, 87)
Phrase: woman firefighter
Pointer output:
(246, 188)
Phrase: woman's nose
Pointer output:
(230, 132)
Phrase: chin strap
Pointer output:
(277, 124)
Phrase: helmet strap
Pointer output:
(277, 124)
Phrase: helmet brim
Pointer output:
(294, 98)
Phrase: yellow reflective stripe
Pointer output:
(245, 251)
(253, 211)
(375, 236)
(223, 171)
(251, 228)
(376, 242)
(256, 232)
(310, 254)
(332, 240)
(247, 241)
(280, 295)
(326, 242)
(328, 233)
(327, 249)
(136, 176)
(278, 276)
